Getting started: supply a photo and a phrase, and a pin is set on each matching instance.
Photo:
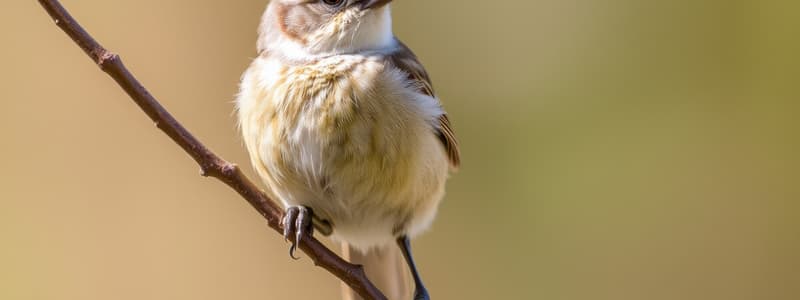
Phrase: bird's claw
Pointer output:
(421, 294)
(297, 223)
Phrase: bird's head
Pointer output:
(302, 28)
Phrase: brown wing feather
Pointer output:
(406, 61)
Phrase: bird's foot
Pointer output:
(297, 223)
(421, 293)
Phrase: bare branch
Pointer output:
(210, 164)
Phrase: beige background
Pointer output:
(618, 149)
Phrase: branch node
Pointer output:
(204, 170)
(105, 57)
(229, 169)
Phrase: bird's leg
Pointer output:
(298, 222)
(420, 293)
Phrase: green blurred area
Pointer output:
(612, 150)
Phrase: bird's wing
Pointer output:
(405, 60)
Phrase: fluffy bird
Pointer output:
(342, 124)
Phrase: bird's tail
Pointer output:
(385, 267)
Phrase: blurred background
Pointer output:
(618, 149)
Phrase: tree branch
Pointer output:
(211, 165)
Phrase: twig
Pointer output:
(210, 164)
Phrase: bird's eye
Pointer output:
(333, 2)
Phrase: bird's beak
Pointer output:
(367, 4)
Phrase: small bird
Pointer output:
(342, 124)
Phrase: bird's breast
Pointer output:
(310, 120)
(345, 136)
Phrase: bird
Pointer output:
(342, 125)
